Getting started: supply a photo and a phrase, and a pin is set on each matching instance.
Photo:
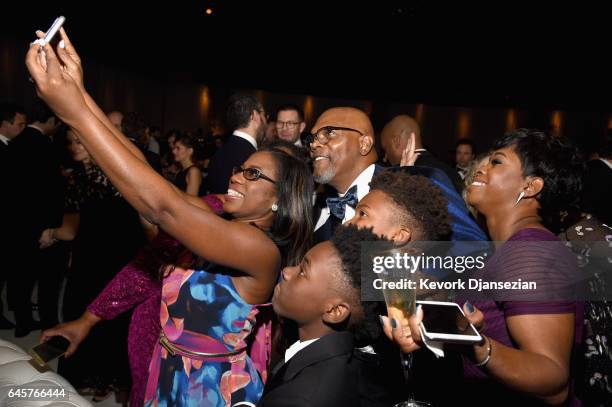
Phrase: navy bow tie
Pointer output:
(337, 206)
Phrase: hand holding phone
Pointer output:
(49, 350)
(446, 322)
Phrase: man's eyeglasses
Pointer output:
(251, 174)
(324, 134)
(290, 125)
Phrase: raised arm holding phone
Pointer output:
(269, 200)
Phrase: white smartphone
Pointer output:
(446, 322)
(57, 24)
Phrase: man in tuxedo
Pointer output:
(322, 296)
(12, 122)
(394, 138)
(36, 203)
(246, 115)
(343, 159)
(464, 154)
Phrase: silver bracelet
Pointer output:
(488, 358)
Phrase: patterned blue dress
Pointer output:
(208, 354)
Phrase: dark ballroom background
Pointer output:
(463, 70)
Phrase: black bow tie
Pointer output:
(337, 206)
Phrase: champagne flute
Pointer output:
(401, 305)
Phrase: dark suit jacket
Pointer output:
(327, 373)
(36, 184)
(4, 187)
(233, 153)
(3, 153)
(426, 159)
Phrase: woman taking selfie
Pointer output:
(207, 315)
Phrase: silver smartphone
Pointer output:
(446, 322)
(50, 35)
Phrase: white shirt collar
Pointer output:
(363, 187)
(36, 127)
(606, 162)
(363, 182)
(296, 347)
(298, 143)
(247, 137)
(4, 139)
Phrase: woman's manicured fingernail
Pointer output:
(394, 323)
(62, 44)
(469, 307)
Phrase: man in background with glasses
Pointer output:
(290, 124)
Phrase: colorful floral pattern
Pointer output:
(202, 311)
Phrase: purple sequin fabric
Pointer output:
(136, 286)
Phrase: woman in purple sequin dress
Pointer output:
(135, 286)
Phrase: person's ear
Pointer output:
(366, 142)
(302, 127)
(336, 312)
(254, 116)
(534, 186)
(401, 236)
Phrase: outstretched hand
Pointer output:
(74, 331)
(70, 59)
(54, 81)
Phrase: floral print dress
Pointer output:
(214, 347)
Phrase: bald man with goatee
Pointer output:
(344, 158)
(394, 139)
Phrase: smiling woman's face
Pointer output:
(497, 183)
(252, 199)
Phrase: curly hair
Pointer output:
(347, 241)
(555, 160)
(422, 205)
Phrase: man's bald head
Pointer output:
(394, 137)
(116, 118)
(347, 152)
(346, 117)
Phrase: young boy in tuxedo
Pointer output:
(322, 296)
